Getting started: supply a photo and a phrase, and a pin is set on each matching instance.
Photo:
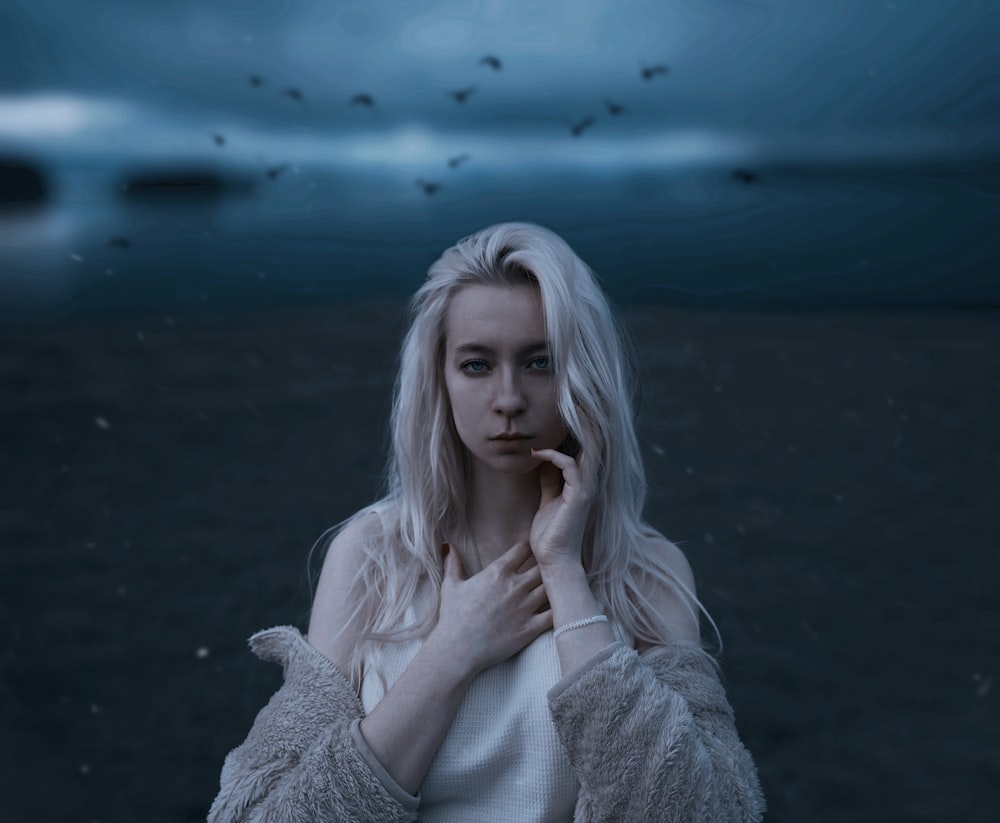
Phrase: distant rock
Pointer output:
(23, 185)
(184, 184)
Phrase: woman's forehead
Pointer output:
(491, 314)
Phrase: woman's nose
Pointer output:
(509, 399)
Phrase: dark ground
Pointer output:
(833, 479)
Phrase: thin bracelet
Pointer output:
(579, 624)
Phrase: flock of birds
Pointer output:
(461, 96)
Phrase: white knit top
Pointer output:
(501, 759)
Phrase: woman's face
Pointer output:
(499, 378)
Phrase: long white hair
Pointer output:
(424, 504)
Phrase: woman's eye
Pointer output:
(540, 363)
(474, 366)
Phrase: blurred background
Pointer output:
(749, 152)
(211, 215)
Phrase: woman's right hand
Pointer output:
(482, 620)
(492, 615)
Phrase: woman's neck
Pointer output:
(501, 508)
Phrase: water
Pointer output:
(799, 236)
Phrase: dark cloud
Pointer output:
(814, 67)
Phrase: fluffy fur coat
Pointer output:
(650, 738)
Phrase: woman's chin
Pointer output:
(518, 461)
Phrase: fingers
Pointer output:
(534, 615)
(537, 599)
(518, 565)
(517, 560)
(550, 482)
(557, 458)
(539, 623)
(504, 609)
(530, 563)
(561, 464)
(530, 574)
(515, 556)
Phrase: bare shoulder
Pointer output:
(656, 543)
(674, 606)
(333, 605)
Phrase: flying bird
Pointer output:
(363, 100)
(295, 94)
(578, 128)
(274, 172)
(256, 80)
(649, 72)
(745, 176)
(122, 243)
(428, 186)
(455, 162)
(492, 61)
(219, 139)
(461, 95)
(614, 109)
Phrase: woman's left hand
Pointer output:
(567, 488)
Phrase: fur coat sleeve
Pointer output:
(653, 738)
(304, 759)
(649, 738)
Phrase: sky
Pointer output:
(744, 78)
(870, 129)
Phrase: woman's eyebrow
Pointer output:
(482, 348)
(473, 348)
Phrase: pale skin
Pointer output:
(527, 512)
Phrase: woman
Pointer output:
(501, 637)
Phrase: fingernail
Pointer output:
(445, 547)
